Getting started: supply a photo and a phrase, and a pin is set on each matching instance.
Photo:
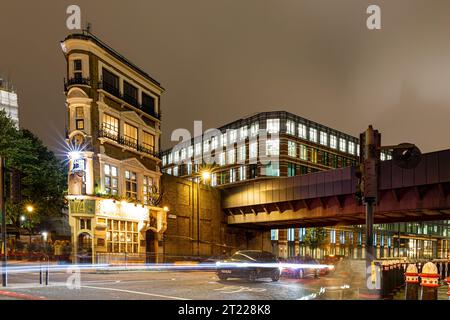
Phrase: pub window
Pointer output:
(130, 134)
(77, 69)
(110, 82)
(131, 184)
(79, 112)
(85, 224)
(147, 189)
(110, 126)
(148, 141)
(130, 93)
(80, 124)
(111, 179)
(122, 236)
(148, 103)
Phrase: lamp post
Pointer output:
(205, 176)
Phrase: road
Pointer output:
(169, 285)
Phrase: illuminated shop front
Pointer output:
(105, 226)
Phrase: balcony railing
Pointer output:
(76, 81)
(128, 99)
(125, 141)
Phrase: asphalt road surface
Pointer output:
(169, 285)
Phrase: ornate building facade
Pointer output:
(113, 134)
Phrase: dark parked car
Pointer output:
(249, 264)
(302, 272)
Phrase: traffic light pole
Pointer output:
(3, 212)
(369, 232)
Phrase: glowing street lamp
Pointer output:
(30, 208)
(206, 175)
(45, 235)
(22, 218)
(166, 209)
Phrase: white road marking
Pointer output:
(236, 289)
(136, 292)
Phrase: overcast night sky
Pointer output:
(220, 60)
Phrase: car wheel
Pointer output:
(252, 275)
(275, 276)
(222, 277)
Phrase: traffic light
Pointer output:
(16, 186)
(370, 151)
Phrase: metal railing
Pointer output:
(76, 81)
(127, 99)
(124, 141)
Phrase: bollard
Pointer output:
(412, 283)
(47, 275)
(448, 292)
(430, 281)
(41, 276)
(384, 279)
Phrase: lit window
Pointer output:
(205, 146)
(292, 149)
(176, 157)
(342, 237)
(80, 124)
(130, 135)
(189, 168)
(313, 135)
(242, 173)
(233, 136)
(164, 160)
(190, 151)
(303, 152)
(382, 156)
(183, 154)
(222, 159)
(110, 126)
(223, 141)
(351, 147)
(111, 180)
(333, 236)
(131, 184)
(323, 138)
(169, 171)
(231, 156)
(254, 128)
(253, 150)
(148, 141)
(198, 148)
(242, 154)
(272, 169)
(147, 186)
(170, 158)
(273, 147)
(175, 171)
(333, 142)
(342, 145)
(232, 175)
(302, 131)
(274, 235)
(214, 143)
(357, 150)
(291, 234)
(214, 179)
(273, 125)
(290, 127)
(243, 133)
(122, 236)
